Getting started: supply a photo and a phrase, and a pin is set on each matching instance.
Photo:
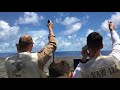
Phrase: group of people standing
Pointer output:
(26, 64)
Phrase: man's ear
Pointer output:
(101, 46)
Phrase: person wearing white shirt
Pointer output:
(99, 66)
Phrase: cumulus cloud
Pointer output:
(9, 46)
(39, 38)
(107, 43)
(108, 36)
(115, 18)
(69, 41)
(67, 20)
(29, 18)
(72, 24)
(72, 29)
(63, 44)
(85, 19)
(72, 44)
(81, 41)
(71, 36)
(89, 31)
(104, 25)
(6, 31)
(70, 20)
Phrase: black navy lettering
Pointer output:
(98, 74)
(102, 72)
(93, 74)
(113, 69)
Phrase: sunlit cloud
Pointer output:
(29, 18)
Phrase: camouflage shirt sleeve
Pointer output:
(45, 54)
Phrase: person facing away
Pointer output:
(26, 64)
(100, 66)
(59, 69)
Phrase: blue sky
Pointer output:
(71, 28)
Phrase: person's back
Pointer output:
(30, 65)
(100, 66)
(23, 60)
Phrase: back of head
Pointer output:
(59, 68)
(94, 40)
(25, 41)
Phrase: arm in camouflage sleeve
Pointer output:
(45, 54)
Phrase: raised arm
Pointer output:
(114, 35)
(115, 41)
(46, 53)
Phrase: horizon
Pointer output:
(62, 51)
(71, 28)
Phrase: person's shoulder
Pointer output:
(104, 57)
(34, 55)
(11, 57)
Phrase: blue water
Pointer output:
(57, 54)
(76, 53)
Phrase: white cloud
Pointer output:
(69, 37)
(72, 36)
(8, 46)
(72, 24)
(30, 18)
(73, 44)
(82, 41)
(108, 36)
(39, 38)
(70, 20)
(63, 44)
(58, 20)
(104, 25)
(41, 18)
(67, 20)
(39, 33)
(72, 29)
(61, 14)
(6, 31)
(85, 19)
(107, 43)
(89, 31)
(116, 20)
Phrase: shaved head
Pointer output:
(25, 43)
(25, 39)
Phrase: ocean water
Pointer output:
(58, 54)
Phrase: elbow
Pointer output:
(55, 47)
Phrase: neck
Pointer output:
(95, 53)
(25, 50)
